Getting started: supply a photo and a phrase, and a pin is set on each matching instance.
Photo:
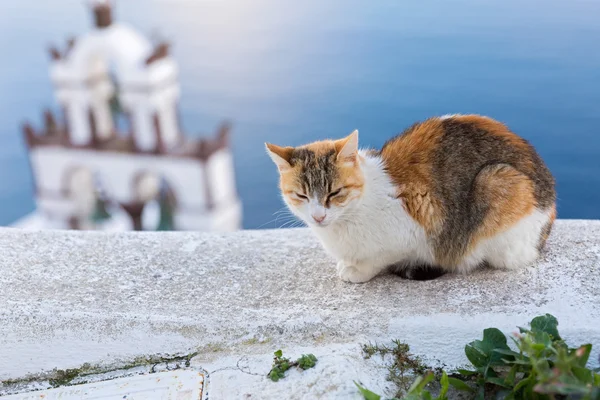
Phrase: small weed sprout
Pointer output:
(405, 366)
(307, 361)
(282, 364)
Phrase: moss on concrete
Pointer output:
(65, 377)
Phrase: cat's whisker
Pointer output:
(286, 216)
(276, 219)
(282, 211)
(287, 224)
(267, 223)
(291, 224)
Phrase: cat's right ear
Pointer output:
(347, 148)
(280, 155)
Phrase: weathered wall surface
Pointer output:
(73, 297)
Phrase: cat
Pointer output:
(452, 193)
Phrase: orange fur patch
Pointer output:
(289, 184)
(509, 196)
(351, 179)
(408, 158)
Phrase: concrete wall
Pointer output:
(73, 297)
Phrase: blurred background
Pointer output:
(293, 72)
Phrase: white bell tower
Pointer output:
(148, 86)
(90, 176)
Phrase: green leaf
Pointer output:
(508, 352)
(539, 347)
(307, 361)
(483, 354)
(285, 365)
(546, 323)
(466, 372)
(459, 385)
(497, 381)
(480, 393)
(475, 356)
(427, 396)
(419, 384)
(367, 394)
(560, 388)
(444, 383)
(523, 330)
(585, 351)
(522, 384)
(542, 340)
(494, 338)
(517, 362)
(511, 376)
(276, 375)
(584, 375)
(279, 353)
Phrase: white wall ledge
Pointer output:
(74, 297)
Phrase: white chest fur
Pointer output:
(377, 231)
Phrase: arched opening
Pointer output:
(79, 189)
(167, 205)
(158, 200)
(90, 205)
(108, 215)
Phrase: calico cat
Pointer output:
(452, 193)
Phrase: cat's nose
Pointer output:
(318, 218)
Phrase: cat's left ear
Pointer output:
(280, 156)
(347, 148)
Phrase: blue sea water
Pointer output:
(292, 72)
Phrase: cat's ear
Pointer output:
(347, 148)
(280, 156)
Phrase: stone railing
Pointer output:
(69, 298)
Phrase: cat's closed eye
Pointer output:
(334, 193)
(301, 196)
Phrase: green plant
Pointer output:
(282, 364)
(543, 368)
(417, 389)
(404, 367)
(307, 361)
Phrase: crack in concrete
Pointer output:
(238, 368)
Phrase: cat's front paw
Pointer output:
(349, 273)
